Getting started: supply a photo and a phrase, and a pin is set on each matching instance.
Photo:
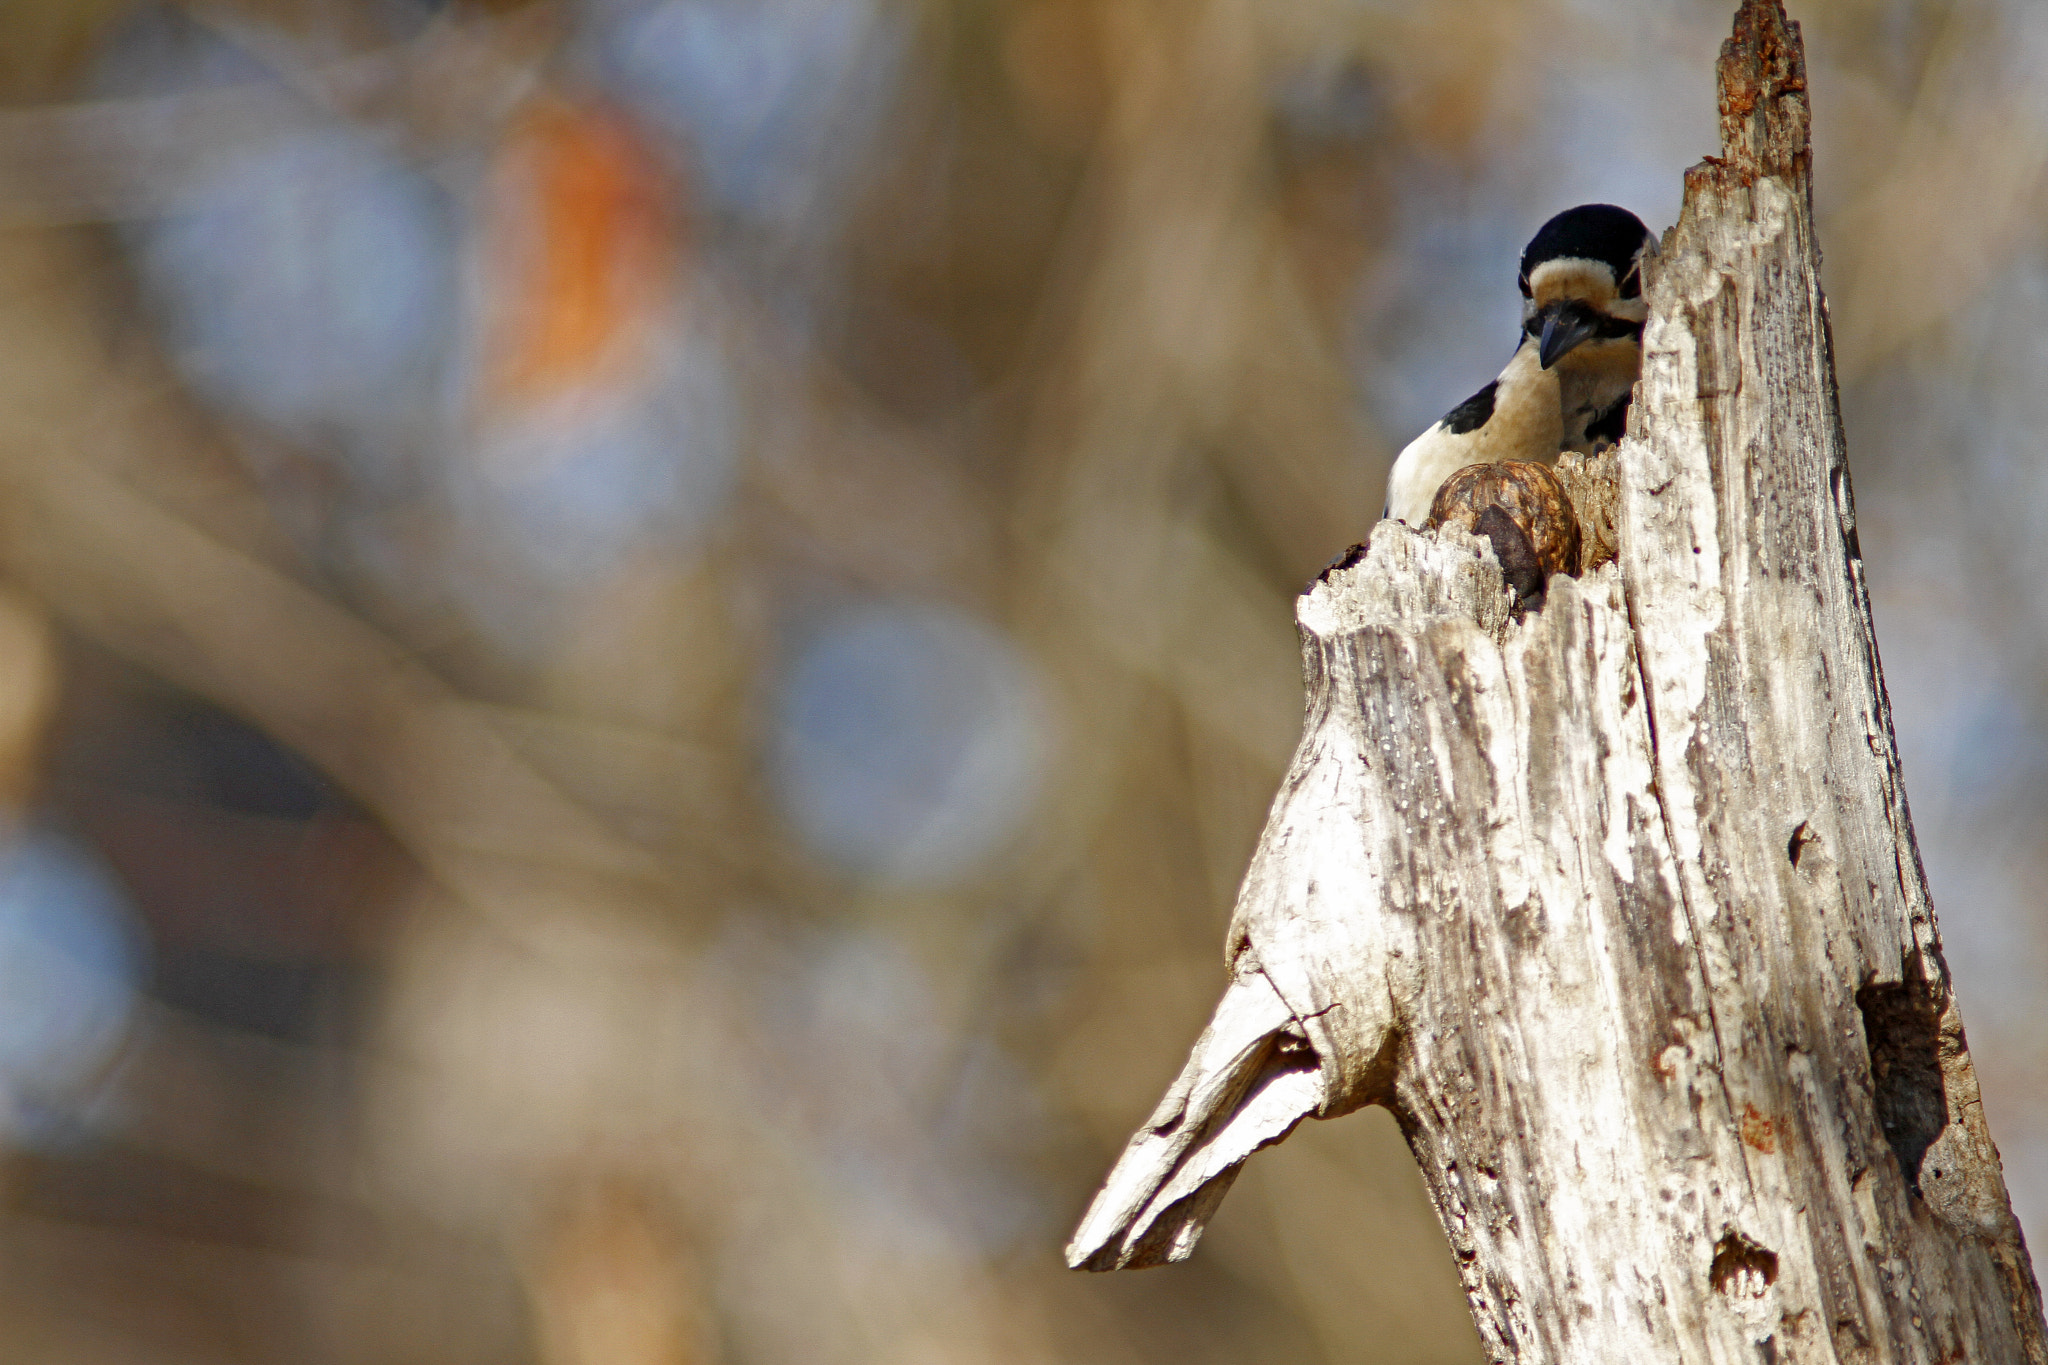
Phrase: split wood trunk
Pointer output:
(1616, 904)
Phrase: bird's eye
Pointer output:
(1632, 283)
(1524, 282)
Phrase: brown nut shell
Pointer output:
(1523, 510)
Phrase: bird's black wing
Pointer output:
(1610, 423)
(1473, 413)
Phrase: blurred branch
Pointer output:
(119, 159)
(150, 584)
(1178, 298)
(1961, 194)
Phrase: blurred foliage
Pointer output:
(642, 640)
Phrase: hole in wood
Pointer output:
(1354, 555)
(1802, 839)
(1902, 1028)
(1742, 1268)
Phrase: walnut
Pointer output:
(1524, 511)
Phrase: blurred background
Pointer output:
(641, 640)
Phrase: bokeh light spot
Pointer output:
(774, 97)
(309, 284)
(70, 966)
(912, 740)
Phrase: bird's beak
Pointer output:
(1565, 325)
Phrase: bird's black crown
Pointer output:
(1592, 232)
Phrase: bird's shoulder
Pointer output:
(1474, 412)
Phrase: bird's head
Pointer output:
(1582, 287)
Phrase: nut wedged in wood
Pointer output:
(1523, 511)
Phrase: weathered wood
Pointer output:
(1616, 904)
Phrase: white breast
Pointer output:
(1527, 424)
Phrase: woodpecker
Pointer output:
(1583, 310)
(1567, 386)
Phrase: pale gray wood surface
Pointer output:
(1616, 905)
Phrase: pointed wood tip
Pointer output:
(1249, 1080)
(1762, 83)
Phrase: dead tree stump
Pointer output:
(1616, 904)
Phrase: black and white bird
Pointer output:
(1568, 385)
